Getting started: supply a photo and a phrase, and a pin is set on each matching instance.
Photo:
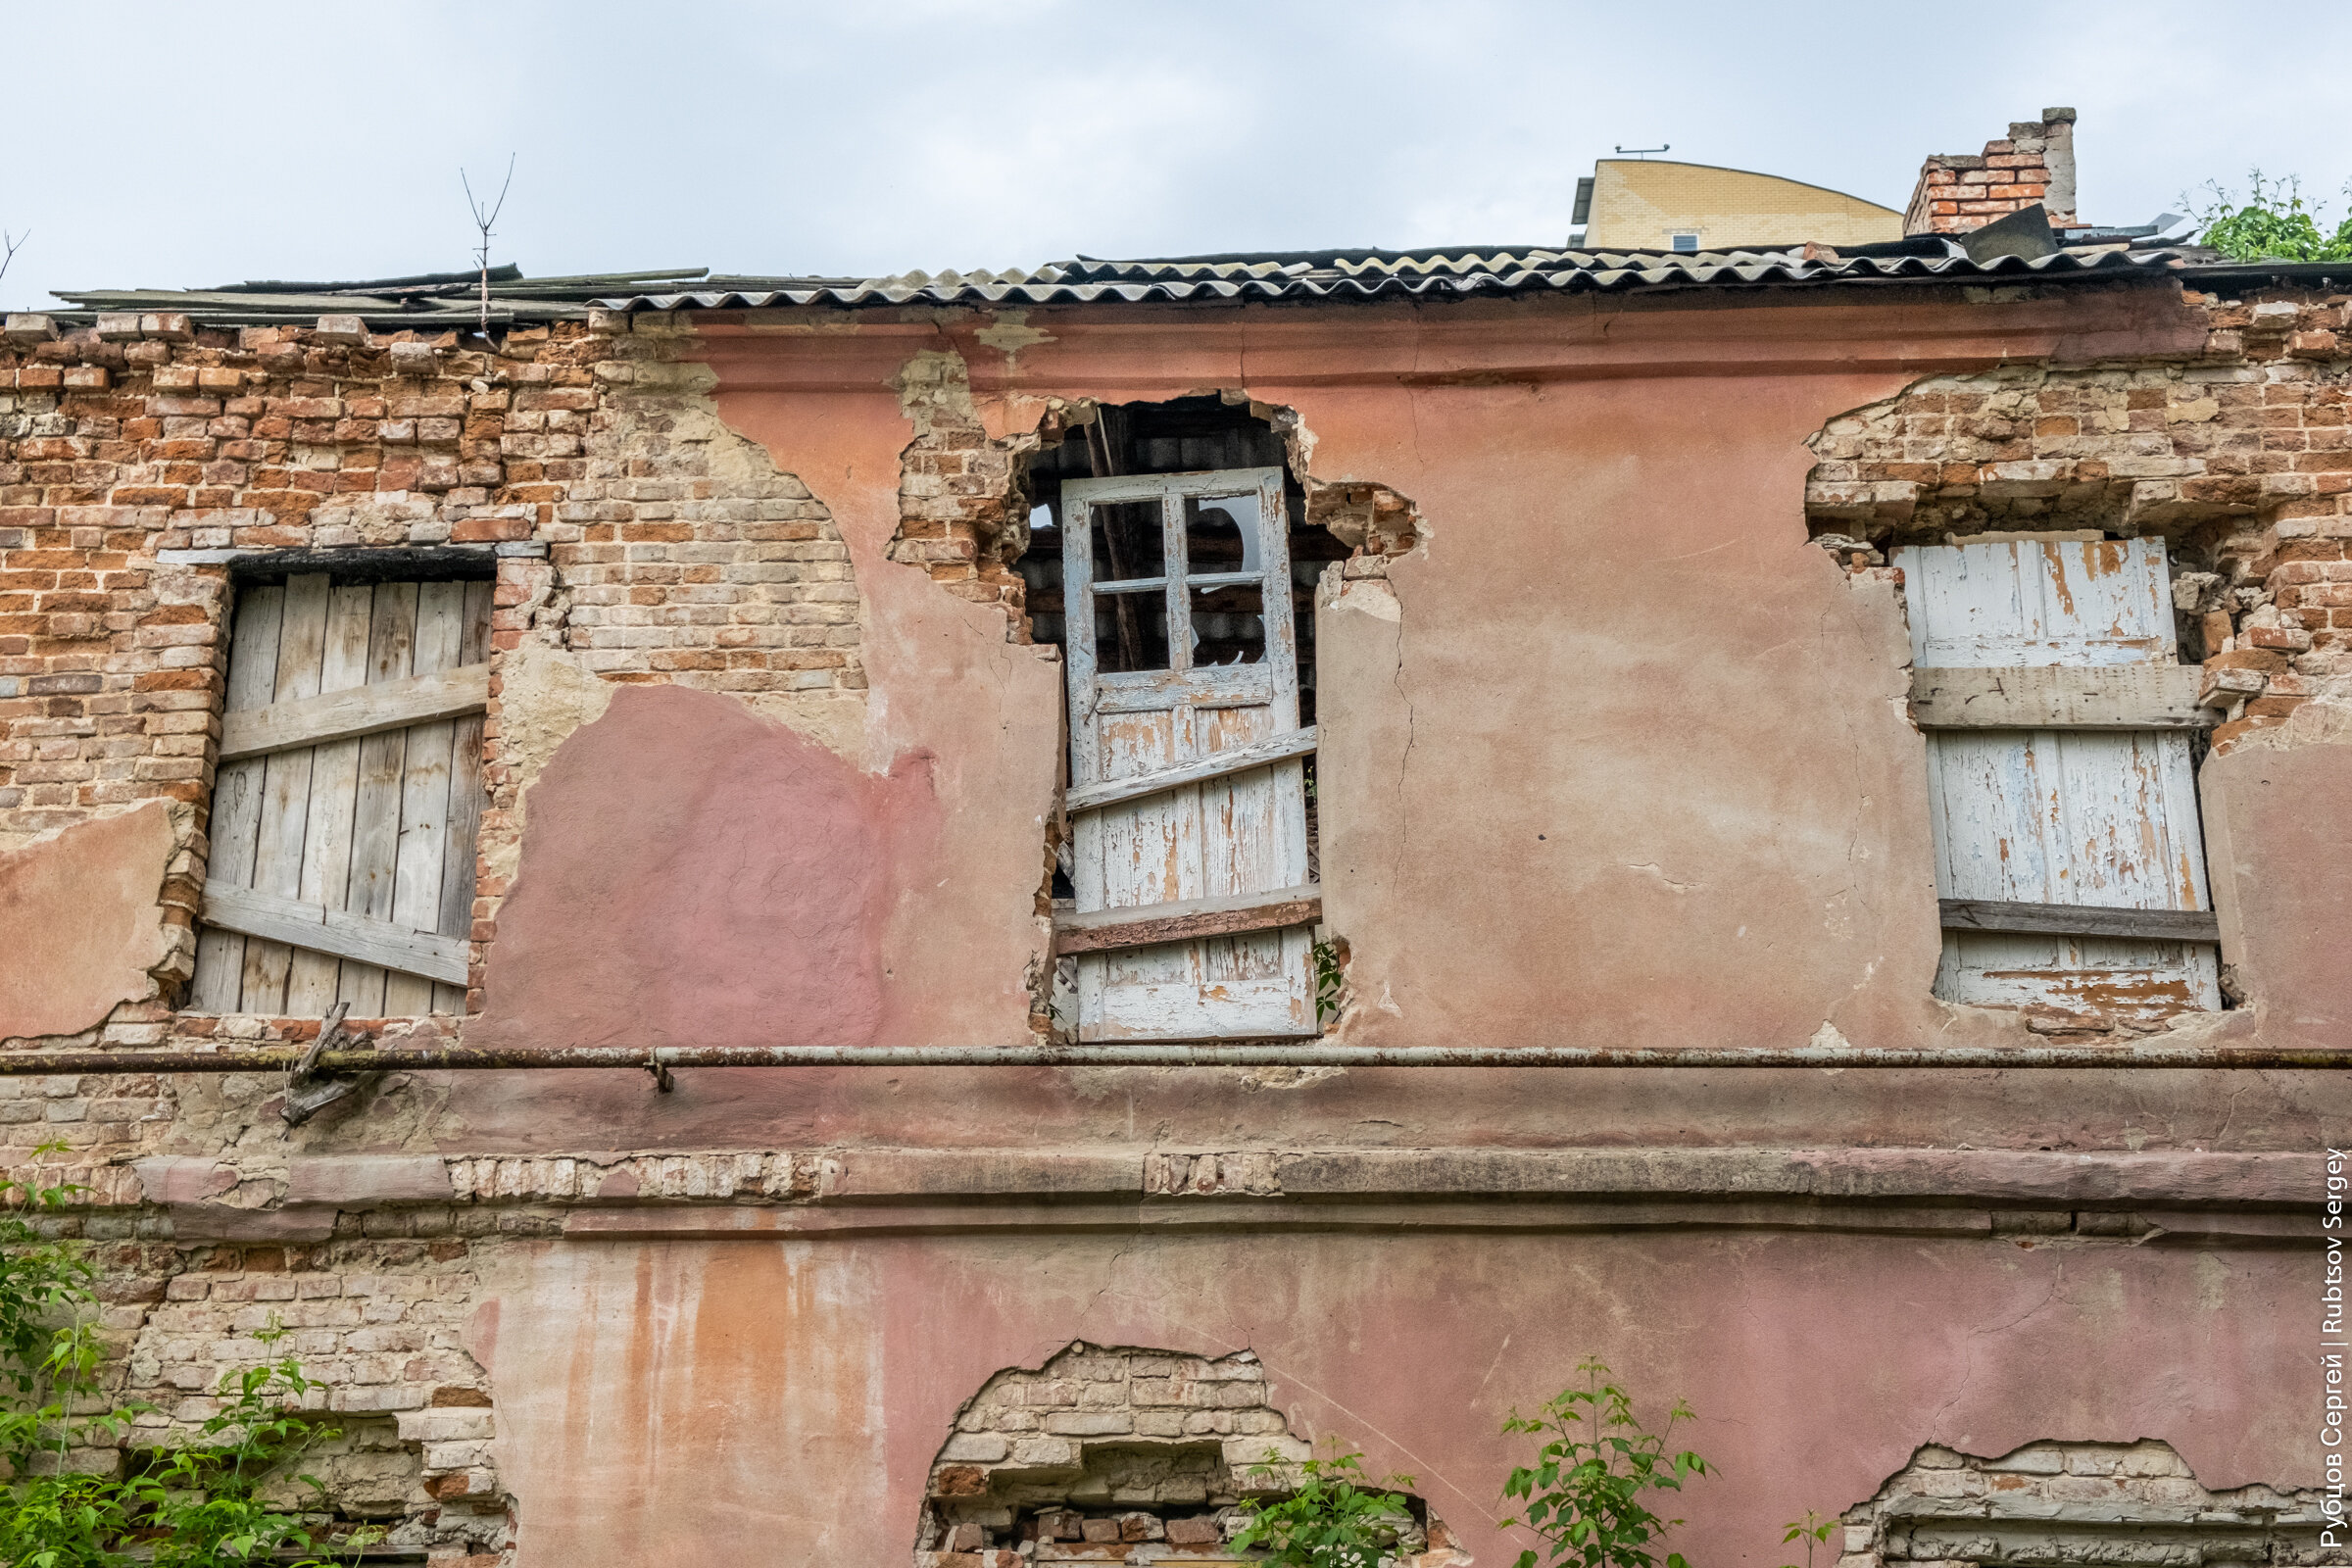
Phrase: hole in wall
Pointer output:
(1118, 1454)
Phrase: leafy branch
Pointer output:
(1332, 1519)
(1583, 1494)
(198, 1505)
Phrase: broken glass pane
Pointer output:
(1229, 625)
(1220, 534)
(1131, 631)
(1127, 541)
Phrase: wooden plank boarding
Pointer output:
(343, 842)
(1103, 930)
(2049, 836)
(466, 797)
(1217, 764)
(2080, 919)
(376, 823)
(336, 931)
(236, 816)
(335, 715)
(285, 790)
(2059, 697)
(312, 978)
(424, 792)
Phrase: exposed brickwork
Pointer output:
(673, 551)
(1117, 1455)
(2075, 1502)
(2242, 459)
(962, 515)
(2033, 164)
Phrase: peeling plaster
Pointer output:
(79, 921)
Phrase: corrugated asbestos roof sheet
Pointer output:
(1373, 274)
(440, 301)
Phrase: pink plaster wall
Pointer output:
(695, 874)
(79, 921)
(2276, 848)
(782, 1402)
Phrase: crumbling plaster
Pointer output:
(700, 1374)
(79, 924)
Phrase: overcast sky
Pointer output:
(179, 145)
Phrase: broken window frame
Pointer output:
(1228, 955)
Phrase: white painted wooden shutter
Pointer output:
(1166, 575)
(345, 806)
(2104, 818)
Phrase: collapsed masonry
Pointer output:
(2053, 1504)
(1120, 1456)
(2240, 456)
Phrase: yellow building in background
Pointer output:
(1633, 204)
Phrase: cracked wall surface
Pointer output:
(772, 764)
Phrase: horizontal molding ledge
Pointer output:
(1457, 1216)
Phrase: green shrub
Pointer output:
(198, 1505)
(2272, 225)
(1583, 1494)
(1332, 1520)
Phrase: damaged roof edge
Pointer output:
(440, 301)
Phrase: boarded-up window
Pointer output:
(2061, 784)
(348, 795)
(1186, 787)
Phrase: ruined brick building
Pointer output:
(940, 908)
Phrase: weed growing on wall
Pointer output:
(1335, 1519)
(199, 1504)
(1813, 1530)
(2272, 225)
(1583, 1494)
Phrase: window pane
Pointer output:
(1131, 631)
(1229, 625)
(1220, 534)
(1127, 542)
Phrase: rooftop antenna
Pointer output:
(483, 217)
(1643, 152)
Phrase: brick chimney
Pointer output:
(2034, 163)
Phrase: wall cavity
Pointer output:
(2057, 1504)
(1122, 1455)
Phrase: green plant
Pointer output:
(199, 1504)
(1332, 1519)
(1331, 978)
(2271, 224)
(1583, 1494)
(1813, 1530)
